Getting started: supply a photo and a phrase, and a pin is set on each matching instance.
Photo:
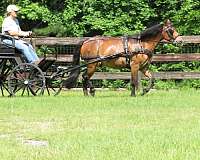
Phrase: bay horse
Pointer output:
(134, 52)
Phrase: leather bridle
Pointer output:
(170, 31)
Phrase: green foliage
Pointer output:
(57, 30)
(1, 19)
(34, 11)
(165, 84)
(189, 17)
(114, 84)
(189, 84)
(168, 48)
(174, 84)
(106, 17)
(44, 50)
(116, 17)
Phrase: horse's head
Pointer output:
(169, 33)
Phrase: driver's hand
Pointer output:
(25, 33)
(30, 33)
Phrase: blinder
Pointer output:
(170, 31)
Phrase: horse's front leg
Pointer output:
(134, 78)
(151, 81)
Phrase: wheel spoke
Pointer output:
(32, 91)
(2, 91)
(24, 88)
(48, 90)
(18, 89)
(5, 86)
(27, 88)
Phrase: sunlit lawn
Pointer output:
(161, 125)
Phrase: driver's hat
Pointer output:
(11, 8)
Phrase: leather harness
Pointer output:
(140, 49)
(126, 53)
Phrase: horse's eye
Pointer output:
(171, 31)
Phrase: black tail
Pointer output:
(71, 81)
(72, 78)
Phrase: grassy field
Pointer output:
(163, 125)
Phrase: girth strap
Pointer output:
(125, 44)
(126, 52)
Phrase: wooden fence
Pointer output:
(76, 40)
(161, 58)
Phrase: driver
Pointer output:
(11, 27)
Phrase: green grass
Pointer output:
(163, 125)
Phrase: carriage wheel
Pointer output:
(54, 85)
(25, 80)
(64, 77)
(6, 65)
(53, 82)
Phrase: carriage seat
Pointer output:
(5, 48)
(9, 51)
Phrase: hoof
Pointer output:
(133, 95)
(85, 92)
(145, 91)
(92, 92)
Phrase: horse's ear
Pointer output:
(167, 22)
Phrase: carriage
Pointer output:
(17, 77)
(135, 52)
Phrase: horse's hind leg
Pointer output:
(134, 78)
(86, 79)
(85, 83)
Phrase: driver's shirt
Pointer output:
(10, 24)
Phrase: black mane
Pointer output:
(149, 32)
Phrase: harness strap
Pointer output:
(142, 50)
(127, 55)
(125, 44)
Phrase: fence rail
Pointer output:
(156, 58)
(76, 40)
(156, 75)
(176, 57)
